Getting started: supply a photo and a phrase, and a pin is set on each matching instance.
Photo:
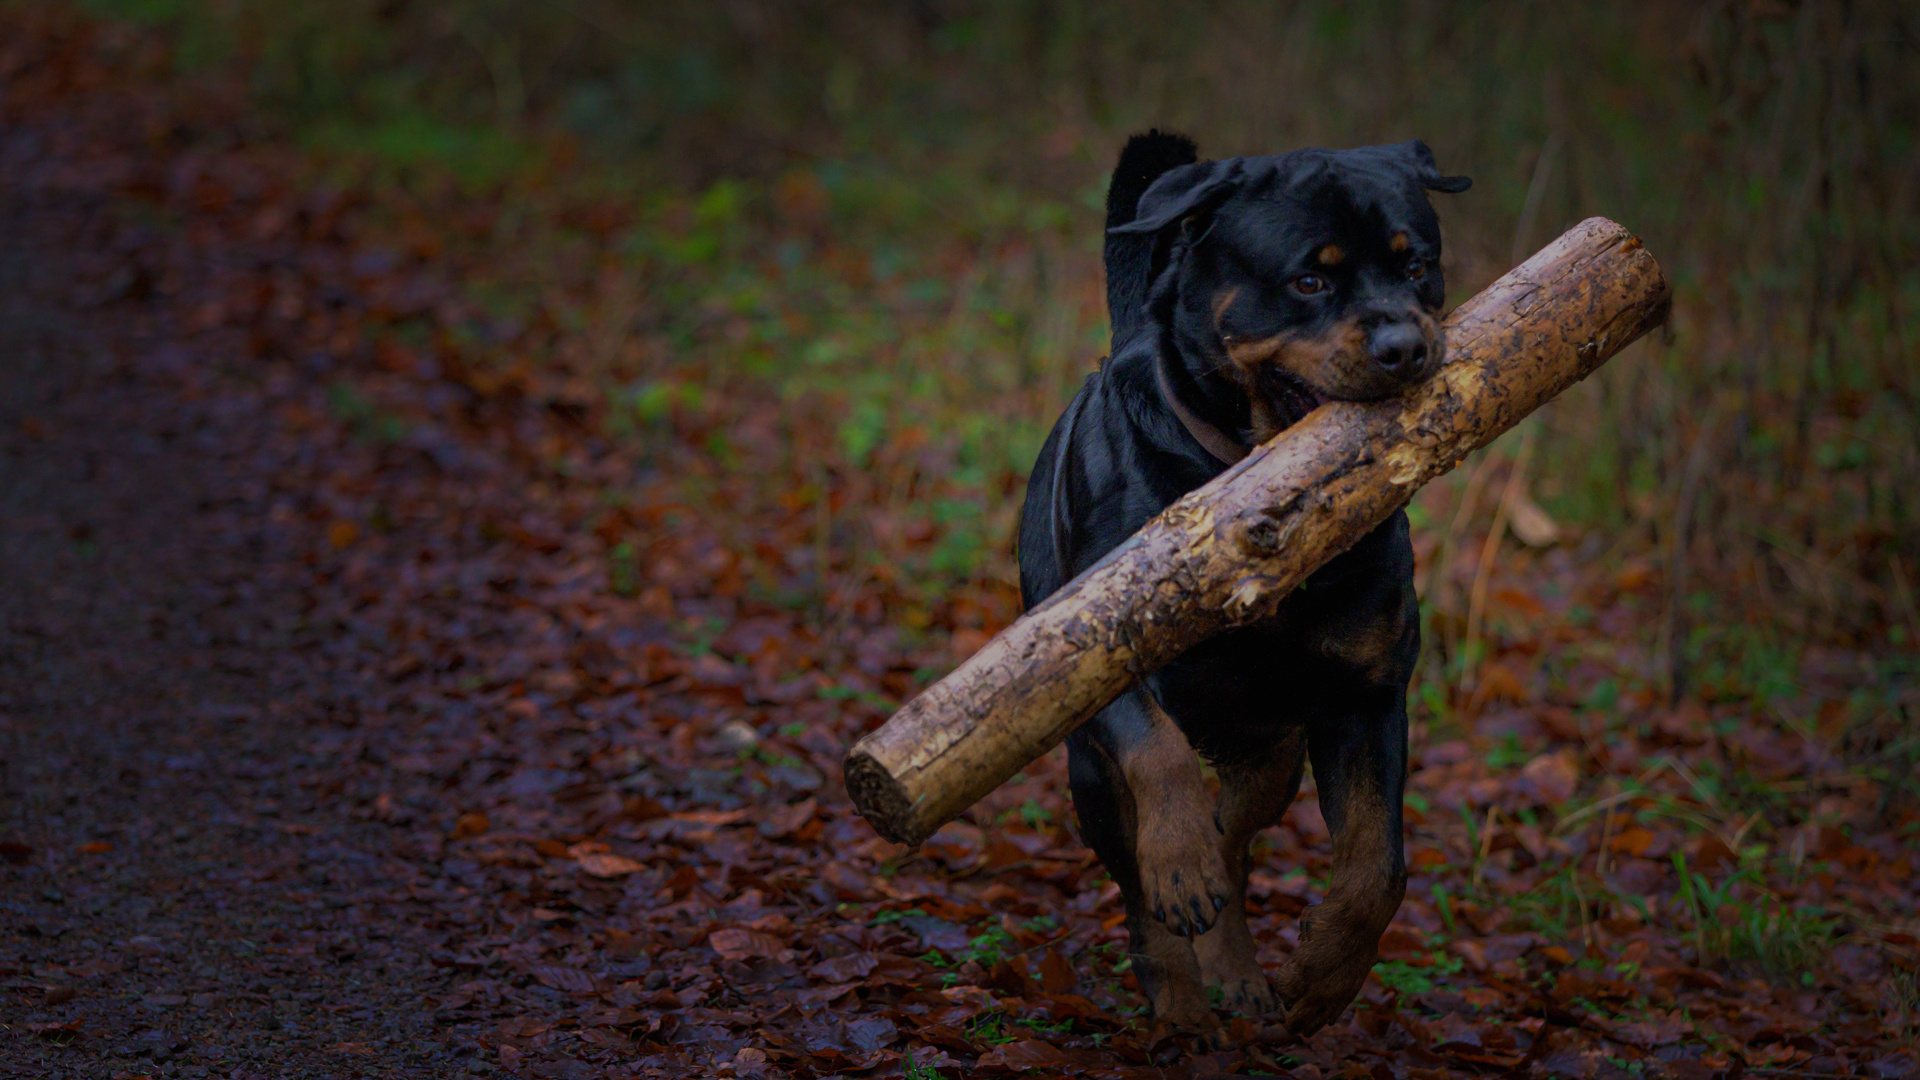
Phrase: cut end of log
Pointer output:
(881, 798)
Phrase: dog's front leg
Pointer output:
(1359, 765)
(1144, 809)
(1183, 878)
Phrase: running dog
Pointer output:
(1244, 293)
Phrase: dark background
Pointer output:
(894, 206)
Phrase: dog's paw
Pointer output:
(1166, 1039)
(1321, 979)
(1211, 1041)
(1227, 960)
(1249, 993)
(1321, 1005)
(1183, 877)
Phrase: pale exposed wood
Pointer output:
(1227, 553)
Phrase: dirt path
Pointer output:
(192, 897)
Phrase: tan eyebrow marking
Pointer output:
(1332, 254)
(1399, 242)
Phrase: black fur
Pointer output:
(1129, 257)
(1202, 259)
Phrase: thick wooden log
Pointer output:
(1227, 553)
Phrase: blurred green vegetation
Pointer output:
(889, 213)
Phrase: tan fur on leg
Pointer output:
(1170, 975)
(1251, 798)
(1340, 938)
(1182, 875)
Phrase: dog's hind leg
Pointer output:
(1144, 809)
(1253, 795)
(1169, 974)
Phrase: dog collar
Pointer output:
(1212, 439)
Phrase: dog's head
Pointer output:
(1301, 278)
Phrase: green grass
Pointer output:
(989, 1029)
(894, 225)
(1559, 906)
(479, 157)
(989, 948)
(888, 917)
(1404, 978)
(914, 1071)
(1736, 921)
(1047, 1027)
(368, 422)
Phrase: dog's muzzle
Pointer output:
(1403, 351)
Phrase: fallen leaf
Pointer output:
(609, 866)
(1056, 973)
(1029, 1054)
(870, 1033)
(1634, 841)
(845, 968)
(713, 817)
(57, 1030)
(1497, 682)
(848, 883)
(788, 820)
(1400, 943)
(1659, 1030)
(523, 1027)
(1550, 779)
(557, 977)
(1531, 525)
(937, 933)
(1472, 953)
(815, 998)
(746, 944)
(1893, 1067)
(642, 808)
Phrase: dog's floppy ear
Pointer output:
(1180, 192)
(1420, 159)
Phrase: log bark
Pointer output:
(1227, 553)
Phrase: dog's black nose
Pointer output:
(1399, 348)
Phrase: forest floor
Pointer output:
(348, 730)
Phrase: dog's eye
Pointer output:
(1309, 284)
(1416, 268)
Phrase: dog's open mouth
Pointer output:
(1292, 396)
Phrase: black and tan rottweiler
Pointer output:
(1243, 293)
